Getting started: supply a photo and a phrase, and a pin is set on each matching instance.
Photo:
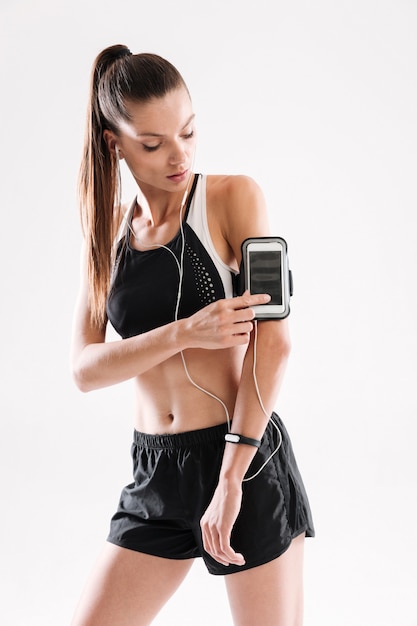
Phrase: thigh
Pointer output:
(270, 594)
(128, 588)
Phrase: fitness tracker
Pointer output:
(235, 438)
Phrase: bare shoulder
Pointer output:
(227, 189)
(236, 207)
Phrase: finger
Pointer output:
(237, 339)
(207, 542)
(248, 300)
(235, 334)
(229, 321)
(238, 327)
(243, 315)
(211, 546)
(225, 554)
(218, 546)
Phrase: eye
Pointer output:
(150, 148)
(189, 135)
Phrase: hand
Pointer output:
(217, 523)
(224, 323)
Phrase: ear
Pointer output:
(112, 142)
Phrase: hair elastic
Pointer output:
(122, 53)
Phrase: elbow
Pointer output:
(282, 349)
(81, 379)
(80, 382)
(284, 346)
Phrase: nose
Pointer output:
(178, 154)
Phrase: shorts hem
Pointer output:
(225, 570)
(235, 569)
(127, 546)
(166, 525)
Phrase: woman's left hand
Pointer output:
(217, 523)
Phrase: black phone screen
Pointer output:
(265, 274)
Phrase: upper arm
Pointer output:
(84, 332)
(246, 216)
(244, 213)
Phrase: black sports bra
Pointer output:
(144, 289)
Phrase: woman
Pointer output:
(165, 283)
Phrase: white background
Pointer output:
(315, 100)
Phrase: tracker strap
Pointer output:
(235, 438)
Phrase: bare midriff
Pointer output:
(168, 403)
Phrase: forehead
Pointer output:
(159, 116)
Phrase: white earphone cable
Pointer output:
(258, 393)
(180, 265)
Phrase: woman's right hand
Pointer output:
(224, 323)
(97, 363)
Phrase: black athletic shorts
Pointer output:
(174, 480)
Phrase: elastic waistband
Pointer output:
(181, 440)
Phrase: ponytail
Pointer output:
(98, 182)
(117, 77)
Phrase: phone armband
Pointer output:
(264, 269)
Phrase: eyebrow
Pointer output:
(158, 135)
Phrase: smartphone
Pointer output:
(265, 265)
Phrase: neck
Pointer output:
(157, 208)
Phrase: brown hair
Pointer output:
(117, 77)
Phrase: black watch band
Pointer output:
(235, 438)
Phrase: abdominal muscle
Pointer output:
(168, 403)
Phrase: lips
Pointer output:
(179, 177)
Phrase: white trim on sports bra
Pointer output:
(197, 219)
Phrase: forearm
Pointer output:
(101, 364)
(222, 324)
(249, 418)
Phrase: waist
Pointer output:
(179, 396)
(181, 440)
